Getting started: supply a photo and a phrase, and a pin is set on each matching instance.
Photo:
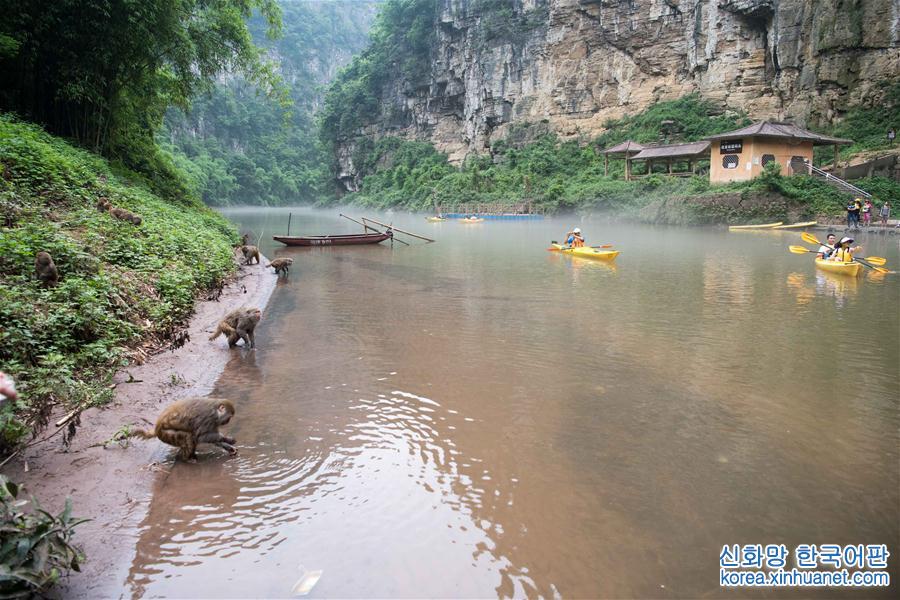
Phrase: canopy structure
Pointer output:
(625, 149)
(779, 129)
(670, 153)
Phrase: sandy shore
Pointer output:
(113, 486)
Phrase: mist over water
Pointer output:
(480, 417)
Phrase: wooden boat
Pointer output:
(797, 225)
(764, 226)
(333, 240)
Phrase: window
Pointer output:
(799, 165)
(730, 161)
(767, 158)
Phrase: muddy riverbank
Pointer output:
(113, 486)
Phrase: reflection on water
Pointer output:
(480, 417)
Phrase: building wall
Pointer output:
(750, 158)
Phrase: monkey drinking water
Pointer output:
(281, 265)
(239, 325)
(46, 269)
(192, 421)
(250, 252)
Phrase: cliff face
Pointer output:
(575, 63)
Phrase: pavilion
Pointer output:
(672, 153)
(742, 154)
(626, 149)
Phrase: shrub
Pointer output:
(35, 547)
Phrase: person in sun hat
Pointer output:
(574, 238)
(843, 252)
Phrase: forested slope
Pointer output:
(239, 146)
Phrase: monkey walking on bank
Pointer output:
(250, 252)
(281, 265)
(46, 269)
(118, 213)
(239, 325)
(192, 421)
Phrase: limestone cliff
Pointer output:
(573, 64)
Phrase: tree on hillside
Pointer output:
(103, 72)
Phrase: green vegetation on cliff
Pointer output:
(121, 286)
(533, 164)
(401, 44)
(240, 146)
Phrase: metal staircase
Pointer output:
(838, 182)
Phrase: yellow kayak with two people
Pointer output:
(586, 252)
(843, 268)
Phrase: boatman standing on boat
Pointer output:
(827, 248)
(843, 252)
(574, 239)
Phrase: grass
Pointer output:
(122, 287)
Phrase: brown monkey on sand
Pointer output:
(281, 265)
(193, 421)
(46, 269)
(239, 325)
(250, 252)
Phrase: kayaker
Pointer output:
(827, 248)
(843, 252)
(574, 238)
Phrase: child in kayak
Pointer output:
(843, 252)
(827, 248)
(574, 239)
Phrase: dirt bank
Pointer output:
(112, 486)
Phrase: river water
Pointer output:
(479, 417)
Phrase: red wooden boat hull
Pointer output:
(333, 240)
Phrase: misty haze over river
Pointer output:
(479, 417)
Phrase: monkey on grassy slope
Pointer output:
(192, 421)
(239, 325)
(46, 269)
(281, 265)
(250, 252)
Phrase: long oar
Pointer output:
(811, 239)
(372, 228)
(863, 261)
(416, 235)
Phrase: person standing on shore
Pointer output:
(885, 213)
(867, 212)
(853, 209)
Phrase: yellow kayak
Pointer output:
(766, 226)
(797, 225)
(844, 268)
(471, 220)
(588, 252)
(435, 219)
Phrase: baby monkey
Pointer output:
(192, 421)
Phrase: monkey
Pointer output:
(239, 324)
(250, 252)
(245, 239)
(125, 215)
(46, 269)
(192, 421)
(281, 265)
(103, 204)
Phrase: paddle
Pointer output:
(863, 261)
(811, 239)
